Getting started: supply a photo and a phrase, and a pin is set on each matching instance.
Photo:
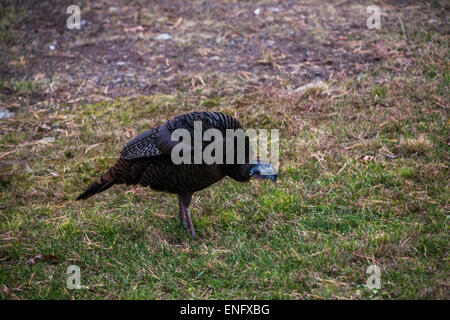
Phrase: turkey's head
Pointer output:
(263, 171)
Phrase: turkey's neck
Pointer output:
(239, 172)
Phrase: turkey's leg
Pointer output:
(182, 220)
(189, 220)
(185, 201)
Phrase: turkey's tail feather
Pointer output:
(123, 171)
(95, 188)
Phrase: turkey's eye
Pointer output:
(252, 172)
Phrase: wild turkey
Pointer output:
(146, 160)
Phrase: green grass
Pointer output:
(8, 18)
(21, 86)
(311, 236)
(363, 180)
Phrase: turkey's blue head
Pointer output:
(263, 171)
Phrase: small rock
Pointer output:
(6, 114)
(257, 12)
(274, 9)
(120, 63)
(163, 36)
(44, 127)
(48, 139)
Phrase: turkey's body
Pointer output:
(163, 176)
(146, 160)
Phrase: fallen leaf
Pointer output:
(366, 159)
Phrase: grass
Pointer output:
(363, 180)
(21, 86)
(8, 19)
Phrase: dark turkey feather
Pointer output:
(146, 160)
(141, 146)
(94, 188)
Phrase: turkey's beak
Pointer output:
(264, 171)
(274, 178)
(268, 172)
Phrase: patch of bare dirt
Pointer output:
(146, 47)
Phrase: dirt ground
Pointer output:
(117, 53)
